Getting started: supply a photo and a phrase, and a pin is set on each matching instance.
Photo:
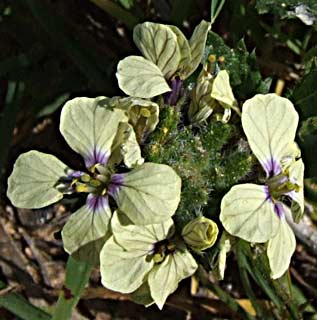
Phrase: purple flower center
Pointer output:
(97, 203)
(116, 182)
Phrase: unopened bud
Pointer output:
(200, 234)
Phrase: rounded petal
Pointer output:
(158, 43)
(139, 238)
(164, 278)
(296, 174)
(197, 44)
(121, 270)
(280, 249)
(221, 89)
(248, 213)
(85, 227)
(138, 77)
(34, 180)
(148, 194)
(270, 123)
(90, 128)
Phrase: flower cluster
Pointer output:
(126, 223)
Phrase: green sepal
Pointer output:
(36, 180)
(149, 194)
(138, 77)
(158, 43)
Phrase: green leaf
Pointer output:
(85, 227)
(216, 6)
(270, 124)
(280, 249)
(307, 142)
(90, 129)
(305, 95)
(53, 106)
(164, 278)
(149, 194)
(77, 277)
(34, 180)
(138, 77)
(197, 44)
(158, 43)
(248, 214)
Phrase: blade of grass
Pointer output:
(77, 276)
(117, 12)
(244, 277)
(7, 122)
(20, 307)
(216, 6)
(223, 296)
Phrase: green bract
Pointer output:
(102, 134)
(144, 260)
(257, 213)
(168, 54)
(200, 233)
(209, 94)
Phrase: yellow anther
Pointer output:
(95, 183)
(221, 59)
(81, 188)
(212, 58)
(165, 130)
(85, 178)
(75, 180)
(145, 112)
(158, 257)
(104, 191)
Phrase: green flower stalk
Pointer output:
(257, 213)
(200, 233)
(169, 58)
(103, 136)
(146, 261)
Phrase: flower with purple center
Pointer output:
(258, 213)
(147, 193)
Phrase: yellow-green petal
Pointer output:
(85, 227)
(197, 45)
(149, 193)
(248, 213)
(121, 270)
(35, 180)
(270, 123)
(280, 249)
(138, 77)
(163, 279)
(158, 43)
(90, 129)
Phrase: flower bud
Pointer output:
(200, 234)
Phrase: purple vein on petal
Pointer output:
(96, 156)
(117, 180)
(272, 167)
(97, 204)
(278, 206)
